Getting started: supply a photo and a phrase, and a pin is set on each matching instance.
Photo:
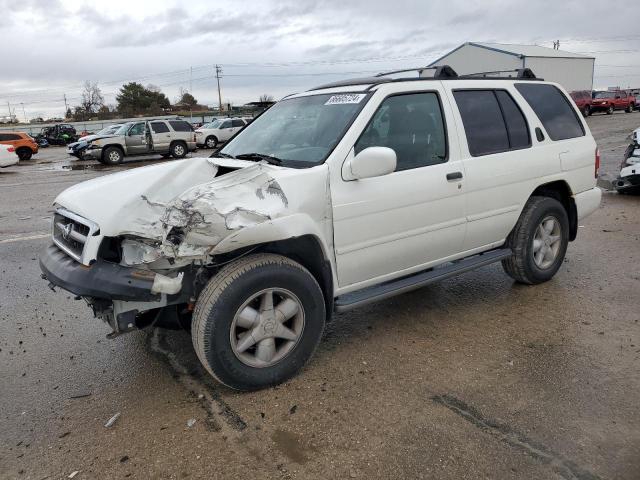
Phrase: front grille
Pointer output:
(70, 232)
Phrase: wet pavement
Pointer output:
(475, 377)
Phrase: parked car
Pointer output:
(77, 149)
(582, 99)
(25, 146)
(60, 134)
(8, 156)
(628, 180)
(165, 137)
(37, 120)
(610, 101)
(219, 131)
(390, 185)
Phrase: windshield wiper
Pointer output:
(221, 155)
(260, 156)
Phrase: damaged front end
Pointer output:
(145, 261)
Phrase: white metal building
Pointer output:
(571, 70)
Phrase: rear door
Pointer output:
(498, 161)
(160, 135)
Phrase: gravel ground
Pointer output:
(475, 377)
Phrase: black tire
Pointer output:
(222, 298)
(610, 110)
(629, 108)
(112, 156)
(179, 150)
(522, 266)
(586, 111)
(166, 155)
(211, 142)
(24, 153)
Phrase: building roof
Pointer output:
(519, 50)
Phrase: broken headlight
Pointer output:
(136, 252)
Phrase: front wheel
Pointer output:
(211, 142)
(630, 108)
(112, 156)
(586, 111)
(258, 321)
(610, 110)
(538, 241)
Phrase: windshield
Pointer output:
(123, 129)
(108, 130)
(213, 124)
(603, 95)
(302, 130)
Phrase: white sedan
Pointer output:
(219, 131)
(8, 156)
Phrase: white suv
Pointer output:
(219, 131)
(333, 198)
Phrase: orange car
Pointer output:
(25, 145)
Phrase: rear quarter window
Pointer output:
(553, 109)
(181, 126)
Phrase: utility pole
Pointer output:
(9, 105)
(23, 113)
(218, 72)
(66, 108)
(191, 80)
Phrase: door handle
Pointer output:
(454, 176)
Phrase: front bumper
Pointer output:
(599, 107)
(103, 280)
(92, 153)
(587, 202)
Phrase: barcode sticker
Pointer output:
(345, 98)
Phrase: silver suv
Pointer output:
(169, 138)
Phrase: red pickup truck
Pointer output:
(614, 100)
(582, 99)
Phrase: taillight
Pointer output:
(597, 169)
(11, 150)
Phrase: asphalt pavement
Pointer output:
(475, 377)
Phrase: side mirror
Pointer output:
(370, 162)
(618, 96)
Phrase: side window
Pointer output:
(237, 123)
(553, 109)
(4, 137)
(180, 126)
(517, 128)
(226, 124)
(159, 127)
(137, 129)
(411, 125)
(483, 121)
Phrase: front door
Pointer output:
(226, 131)
(392, 225)
(136, 140)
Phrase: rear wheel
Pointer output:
(586, 111)
(610, 110)
(24, 153)
(630, 108)
(178, 150)
(211, 141)
(539, 241)
(112, 156)
(258, 321)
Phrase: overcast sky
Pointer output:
(48, 48)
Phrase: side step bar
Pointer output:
(362, 297)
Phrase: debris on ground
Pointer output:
(191, 422)
(112, 420)
(73, 474)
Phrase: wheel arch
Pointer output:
(561, 191)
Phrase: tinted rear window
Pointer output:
(159, 127)
(553, 109)
(483, 122)
(6, 137)
(181, 126)
(517, 128)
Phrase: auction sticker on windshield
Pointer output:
(345, 98)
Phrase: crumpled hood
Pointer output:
(189, 205)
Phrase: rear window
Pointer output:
(237, 123)
(180, 126)
(493, 123)
(553, 109)
(159, 127)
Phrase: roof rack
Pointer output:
(520, 73)
(442, 71)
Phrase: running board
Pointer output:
(362, 297)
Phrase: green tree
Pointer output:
(135, 98)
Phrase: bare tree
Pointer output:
(265, 98)
(92, 98)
